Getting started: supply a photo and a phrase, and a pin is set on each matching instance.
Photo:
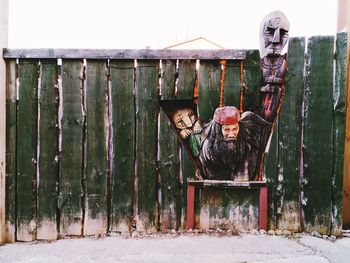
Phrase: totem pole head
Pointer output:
(273, 34)
(228, 117)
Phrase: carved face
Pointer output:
(230, 131)
(273, 34)
(184, 118)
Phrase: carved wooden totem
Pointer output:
(273, 38)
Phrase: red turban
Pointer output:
(227, 115)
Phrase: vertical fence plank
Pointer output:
(48, 152)
(185, 85)
(96, 172)
(251, 80)
(339, 96)
(318, 138)
(123, 160)
(232, 87)
(186, 79)
(168, 79)
(209, 81)
(11, 135)
(289, 137)
(169, 163)
(27, 150)
(187, 171)
(169, 172)
(346, 182)
(270, 172)
(70, 176)
(146, 143)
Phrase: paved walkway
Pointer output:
(181, 248)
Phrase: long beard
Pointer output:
(228, 152)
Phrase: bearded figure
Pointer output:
(231, 145)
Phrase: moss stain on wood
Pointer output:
(71, 164)
(48, 155)
(123, 145)
(27, 150)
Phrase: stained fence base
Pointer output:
(261, 186)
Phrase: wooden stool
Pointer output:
(254, 185)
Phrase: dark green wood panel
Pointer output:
(123, 161)
(229, 209)
(70, 176)
(187, 171)
(339, 97)
(209, 82)
(11, 135)
(96, 172)
(318, 134)
(270, 172)
(186, 79)
(48, 154)
(169, 165)
(289, 137)
(146, 142)
(232, 87)
(251, 80)
(185, 86)
(27, 150)
(168, 79)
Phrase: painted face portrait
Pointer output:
(230, 131)
(274, 31)
(184, 118)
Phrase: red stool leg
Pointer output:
(190, 207)
(263, 208)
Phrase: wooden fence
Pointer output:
(90, 150)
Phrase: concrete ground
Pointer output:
(184, 248)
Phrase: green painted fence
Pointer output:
(90, 149)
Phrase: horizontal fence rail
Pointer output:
(125, 53)
(90, 149)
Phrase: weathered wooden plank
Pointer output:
(125, 53)
(96, 171)
(289, 138)
(185, 87)
(229, 209)
(11, 135)
(27, 150)
(168, 79)
(251, 80)
(346, 182)
(48, 152)
(168, 156)
(186, 79)
(187, 171)
(169, 165)
(339, 97)
(232, 87)
(123, 161)
(318, 134)
(146, 144)
(72, 123)
(227, 184)
(209, 81)
(270, 172)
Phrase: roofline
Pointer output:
(194, 39)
